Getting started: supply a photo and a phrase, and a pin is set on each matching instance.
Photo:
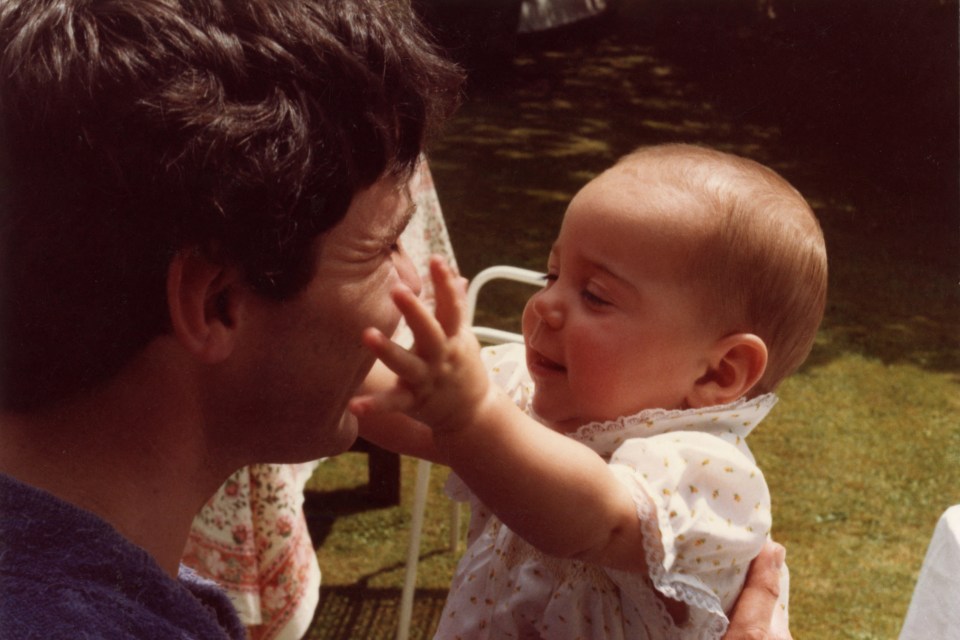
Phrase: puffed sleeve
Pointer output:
(706, 512)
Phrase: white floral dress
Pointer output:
(706, 513)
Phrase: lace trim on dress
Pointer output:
(648, 417)
(706, 612)
(646, 512)
(737, 418)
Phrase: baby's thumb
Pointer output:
(396, 399)
(361, 406)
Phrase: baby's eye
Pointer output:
(550, 277)
(593, 299)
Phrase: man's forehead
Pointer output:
(404, 212)
(383, 207)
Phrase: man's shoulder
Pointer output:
(41, 606)
(65, 573)
(34, 607)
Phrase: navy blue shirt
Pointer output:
(66, 573)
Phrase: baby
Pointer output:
(612, 491)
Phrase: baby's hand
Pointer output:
(442, 380)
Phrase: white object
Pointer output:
(413, 550)
(501, 272)
(934, 612)
(484, 334)
(539, 15)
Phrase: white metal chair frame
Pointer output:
(487, 335)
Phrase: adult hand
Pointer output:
(757, 614)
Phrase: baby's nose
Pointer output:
(549, 308)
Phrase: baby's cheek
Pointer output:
(605, 394)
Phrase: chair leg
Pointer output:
(384, 475)
(454, 526)
(383, 472)
(413, 549)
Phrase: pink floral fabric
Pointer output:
(252, 538)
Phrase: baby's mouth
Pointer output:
(546, 363)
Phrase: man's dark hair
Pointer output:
(131, 129)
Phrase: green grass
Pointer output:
(863, 452)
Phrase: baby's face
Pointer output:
(616, 329)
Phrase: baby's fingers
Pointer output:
(397, 399)
(428, 335)
(450, 296)
(408, 366)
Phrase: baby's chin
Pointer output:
(559, 422)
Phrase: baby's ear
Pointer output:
(736, 364)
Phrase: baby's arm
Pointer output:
(554, 492)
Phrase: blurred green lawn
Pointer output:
(863, 452)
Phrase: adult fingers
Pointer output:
(753, 613)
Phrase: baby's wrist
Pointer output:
(478, 420)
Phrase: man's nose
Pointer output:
(407, 270)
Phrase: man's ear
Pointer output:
(202, 298)
(736, 364)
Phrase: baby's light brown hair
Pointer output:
(758, 257)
